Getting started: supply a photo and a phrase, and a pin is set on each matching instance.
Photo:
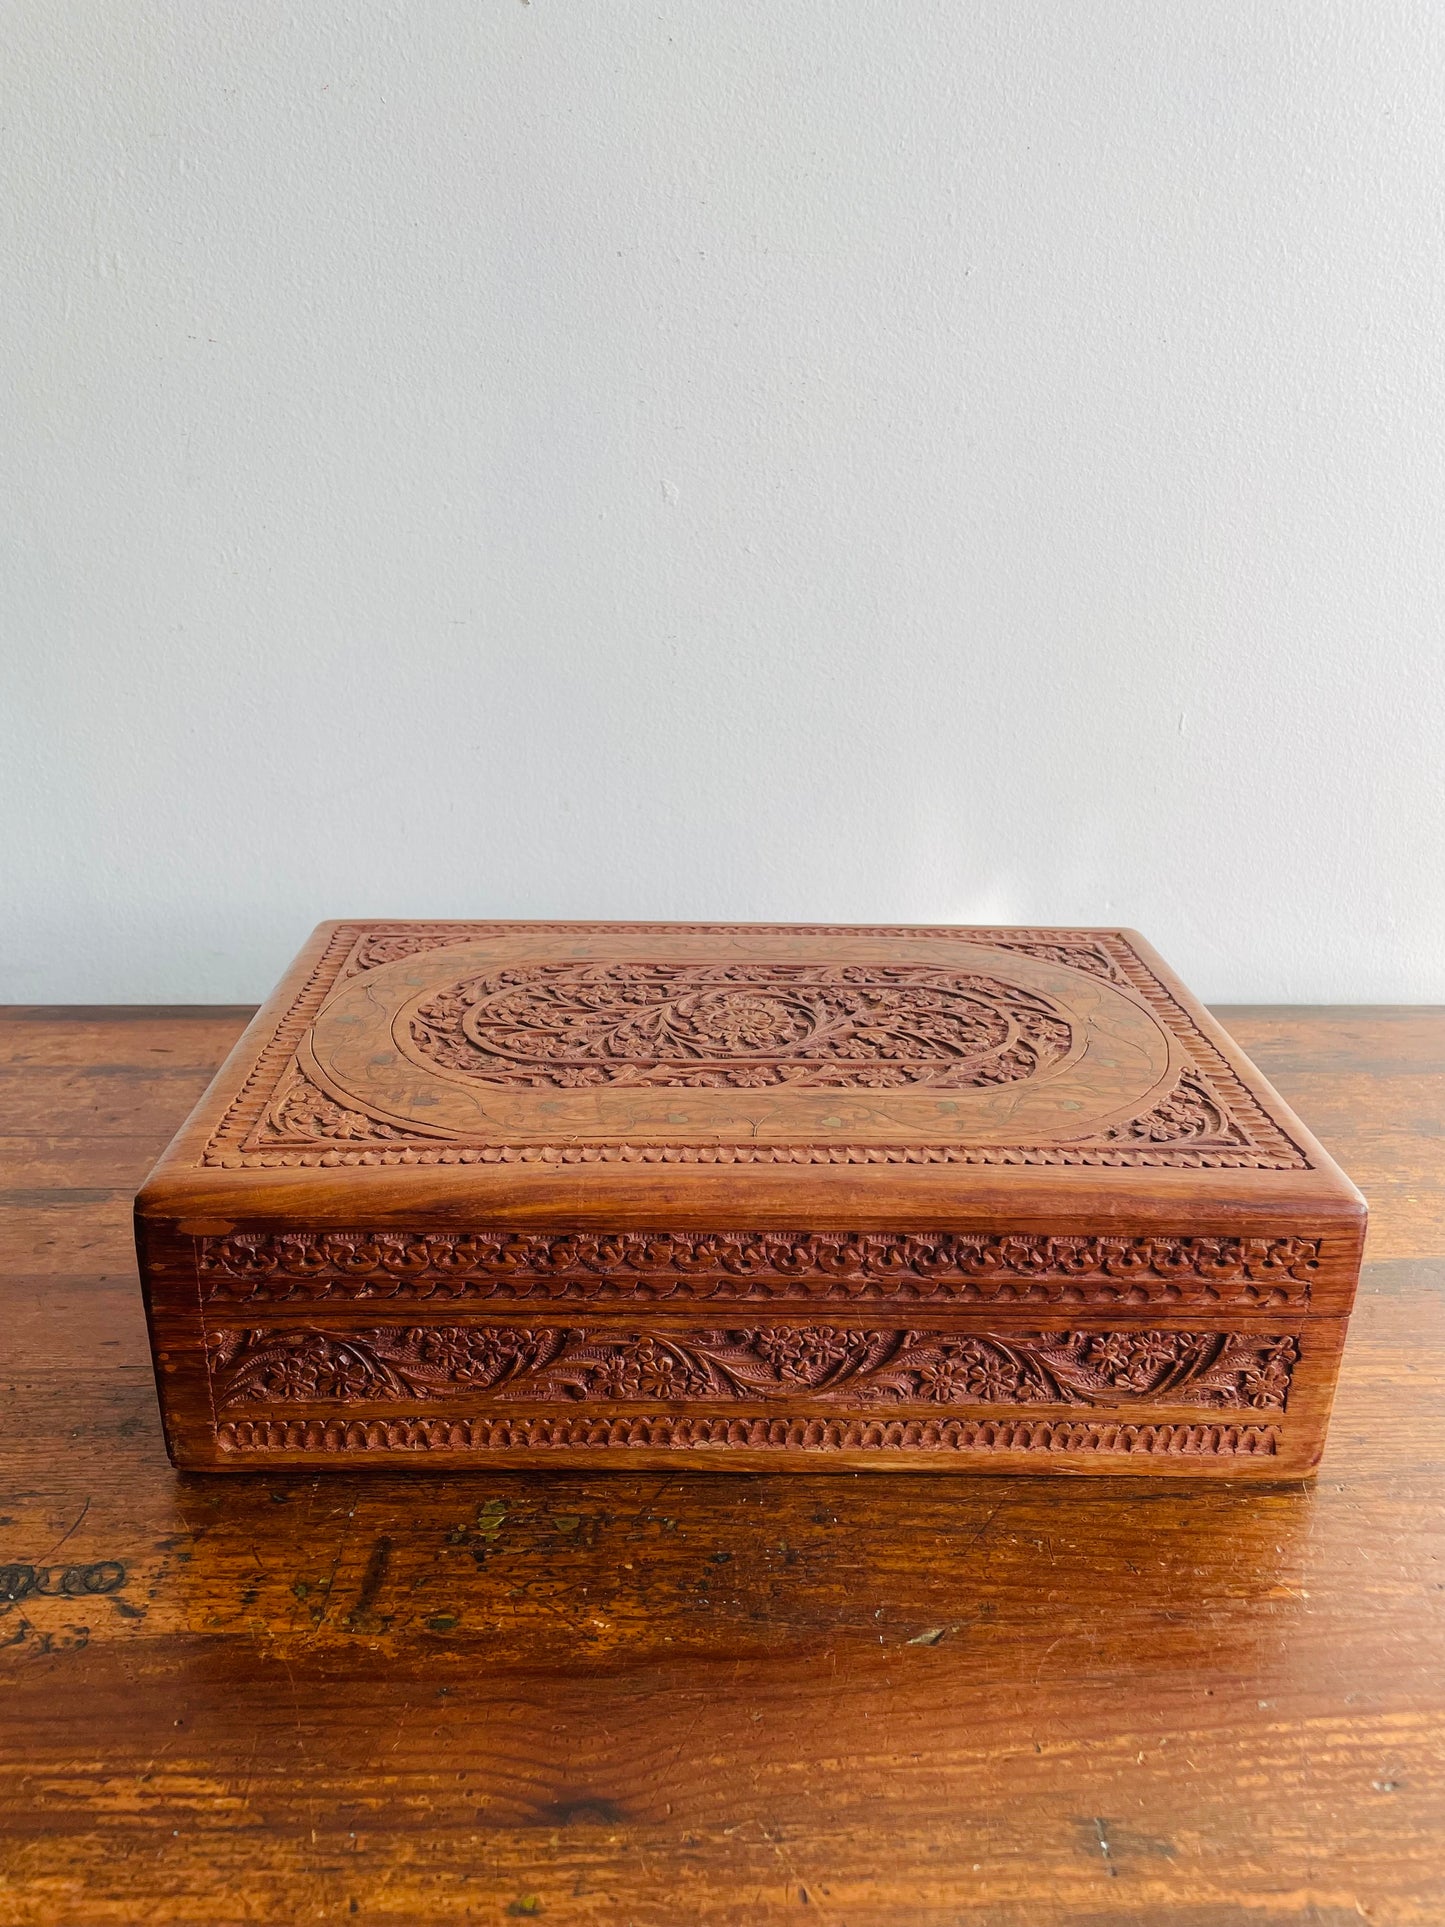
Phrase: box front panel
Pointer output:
(1089, 1352)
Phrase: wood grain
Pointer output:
(987, 1703)
(1000, 1125)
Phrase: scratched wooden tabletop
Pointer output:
(689, 1698)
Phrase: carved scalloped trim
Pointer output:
(1251, 1138)
(1109, 1157)
(1042, 1437)
(858, 1267)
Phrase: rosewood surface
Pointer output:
(660, 1698)
(897, 1198)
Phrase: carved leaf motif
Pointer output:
(1191, 1113)
(302, 1111)
(559, 1364)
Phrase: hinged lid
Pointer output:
(725, 1075)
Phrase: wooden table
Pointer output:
(674, 1699)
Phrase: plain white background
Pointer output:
(970, 462)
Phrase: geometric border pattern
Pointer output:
(869, 1267)
(666, 1431)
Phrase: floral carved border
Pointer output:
(1211, 1120)
(560, 1364)
(856, 1267)
(920, 1437)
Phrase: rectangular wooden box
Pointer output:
(744, 1196)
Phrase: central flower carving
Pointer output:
(575, 1026)
(738, 1021)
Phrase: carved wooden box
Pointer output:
(744, 1196)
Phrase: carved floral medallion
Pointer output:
(740, 1026)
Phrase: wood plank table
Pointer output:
(681, 1698)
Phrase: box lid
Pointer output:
(586, 1074)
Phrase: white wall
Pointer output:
(722, 459)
